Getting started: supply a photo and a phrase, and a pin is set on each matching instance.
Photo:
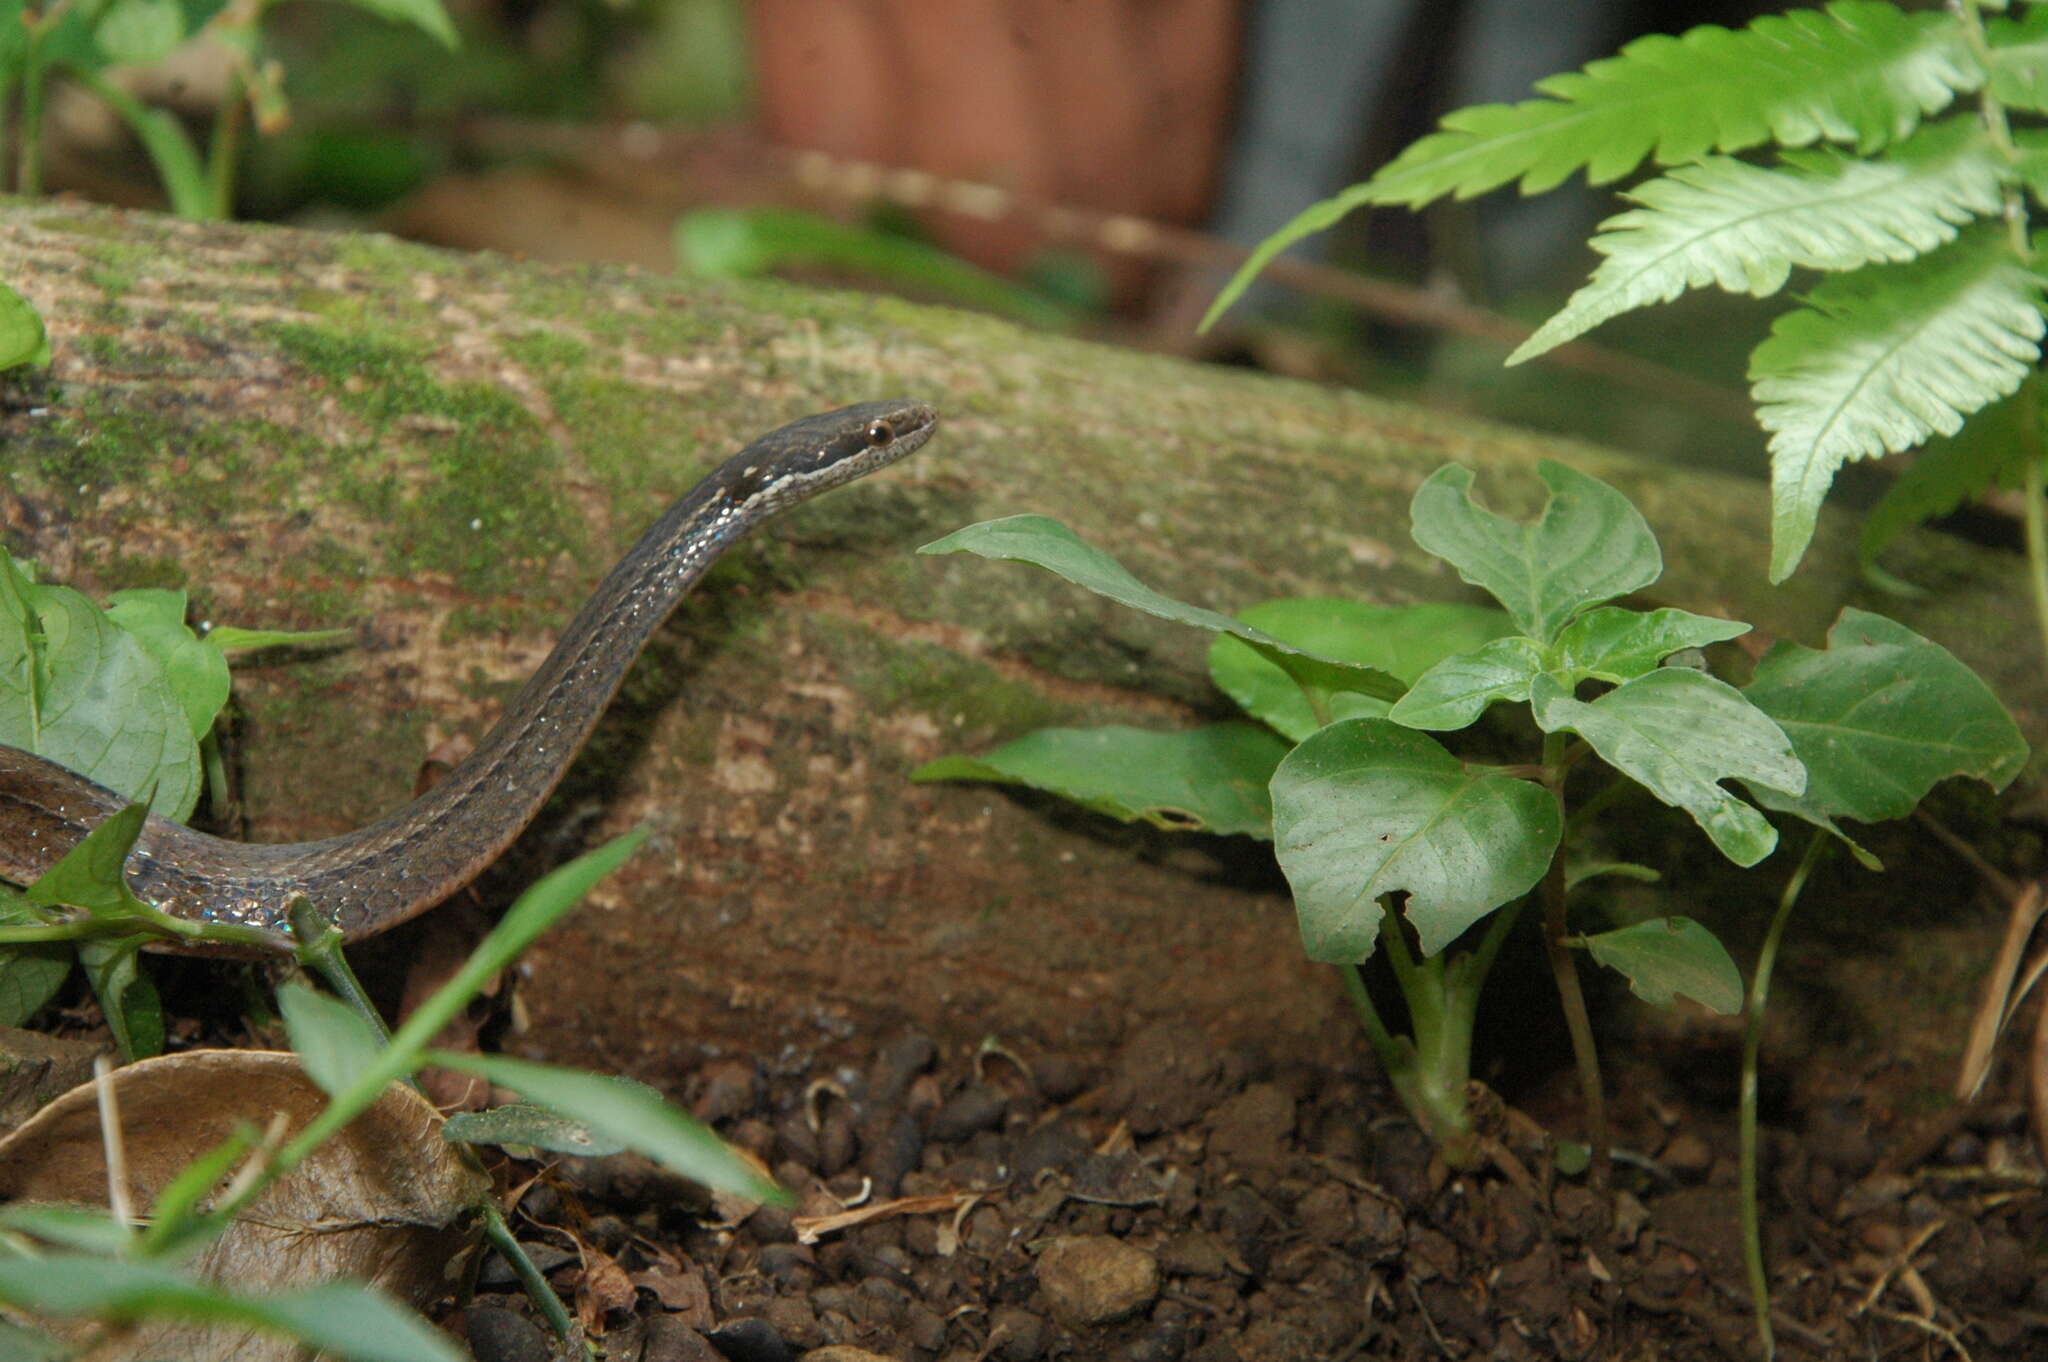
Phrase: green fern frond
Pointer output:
(2019, 60)
(1883, 358)
(1989, 451)
(1861, 72)
(1742, 227)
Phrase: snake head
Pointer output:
(820, 452)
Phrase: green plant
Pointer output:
(61, 1262)
(71, 675)
(22, 338)
(86, 40)
(1899, 165)
(1392, 841)
(128, 696)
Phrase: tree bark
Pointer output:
(311, 430)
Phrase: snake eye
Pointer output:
(880, 433)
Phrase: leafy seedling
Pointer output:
(1392, 841)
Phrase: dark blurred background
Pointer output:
(1100, 163)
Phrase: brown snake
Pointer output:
(411, 859)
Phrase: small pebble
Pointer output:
(669, 1339)
(500, 1335)
(1092, 1279)
(751, 1340)
(1015, 1334)
(976, 1107)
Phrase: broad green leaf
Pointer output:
(81, 692)
(335, 1046)
(522, 1123)
(1679, 733)
(1669, 956)
(30, 975)
(1989, 451)
(1879, 718)
(1883, 358)
(628, 1112)
(1615, 645)
(22, 338)
(139, 32)
(1403, 641)
(16, 1343)
(1365, 808)
(358, 1323)
(1589, 545)
(425, 15)
(197, 674)
(1457, 690)
(1045, 542)
(1861, 72)
(1209, 779)
(1743, 227)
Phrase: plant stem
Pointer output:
(1565, 970)
(1752, 1044)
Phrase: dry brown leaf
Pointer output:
(385, 1201)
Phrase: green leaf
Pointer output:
(1210, 779)
(1679, 733)
(522, 1123)
(359, 1323)
(1045, 542)
(1989, 451)
(127, 997)
(228, 638)
(1883, 358)
(22, 338)
(1669, 956)
(76, 1227)
(1880, 718)
(2019, 60)
(1366, 808)
(1743, 227)
(197, 674)
(80, 692)
(1863, 73)
(1860, 71)
(1589, 545)
(425, 15)
(90, 876)
(139, 32)
(31, 974)
(1458, 689)
(335, 1046)
(628, 1112)
(1615, 645)
(1403, 641)
(722, 243)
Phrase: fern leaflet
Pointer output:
(1860, 71)
(2019, 60)
(1742, 227)
(1883, 358)
(1990, 451)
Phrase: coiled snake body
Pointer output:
(411, 859)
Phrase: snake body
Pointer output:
(398, 866)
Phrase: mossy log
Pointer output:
(445, 451)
